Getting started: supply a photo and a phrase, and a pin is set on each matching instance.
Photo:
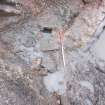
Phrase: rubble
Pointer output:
(31, 64)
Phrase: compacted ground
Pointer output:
(52, 53)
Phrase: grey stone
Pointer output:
(27, 58)
(48, 44)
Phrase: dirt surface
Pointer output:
(37, 69)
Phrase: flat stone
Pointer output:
(99, 47)
(48, 44)
(55, 82)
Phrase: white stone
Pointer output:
(99, 47)
(55, 82)
(87, 85)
